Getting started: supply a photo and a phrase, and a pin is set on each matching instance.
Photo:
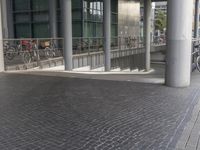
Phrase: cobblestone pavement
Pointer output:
(56, 113)
(190, 138)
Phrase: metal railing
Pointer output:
(31, 51)
(159, 40)
(129, 54)
(126, 52)
(90, 52)
(84, 45)
(87, 45)
(195, 54)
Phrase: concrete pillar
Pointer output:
(8, 27)
(5, 18)
(107, 34)
(147, 33)
(1, 41)
(53, 18)
(11, 33)
(67, 33)
(179, 42)
(196, 25)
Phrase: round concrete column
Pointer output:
(67, 33)
(179, 31)
(147, 33)
(107, 33)
(53, 18)
(1, 41)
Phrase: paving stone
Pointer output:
(51, 113)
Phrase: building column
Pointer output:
(8, 27)
(11, 33)
(67, 33)
(179, 42)
(196, 25)
(147, 33)
(53, 18)
(107, 33)
(1, 41)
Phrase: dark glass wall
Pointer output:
(93, 18)
(31, 18)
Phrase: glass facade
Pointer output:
(31, 18)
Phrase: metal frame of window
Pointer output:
(94, 20)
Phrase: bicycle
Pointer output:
(50, 50)
(196, 56)
(29, 50)
(81, 46)
(9, 51)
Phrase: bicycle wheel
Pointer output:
(59, 53)
(10, 53)
(198, 63)
(49, 53)
(46, 52)
(26, 57)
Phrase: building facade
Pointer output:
(31, 18)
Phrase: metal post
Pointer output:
(107, 34)
(53, 18)
(178, 68)
(2, 68)
(196, 25)
(67, 32)
(147, 32)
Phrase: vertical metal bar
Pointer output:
(90, 56)
(37, 52)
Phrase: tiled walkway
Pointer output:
(190, 139)
(60, 113)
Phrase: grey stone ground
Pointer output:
(49, 112)
(190, 138)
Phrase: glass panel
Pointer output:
(22, 17)
(114, 18)
(41, 30)
(114, 6)
(99, 30)
(39, 17)
(76, 4)
(89, 29)
(114, 30)
(21, 5)
(76, 14)
(40, 4)
(23, 30)
(77, 29)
